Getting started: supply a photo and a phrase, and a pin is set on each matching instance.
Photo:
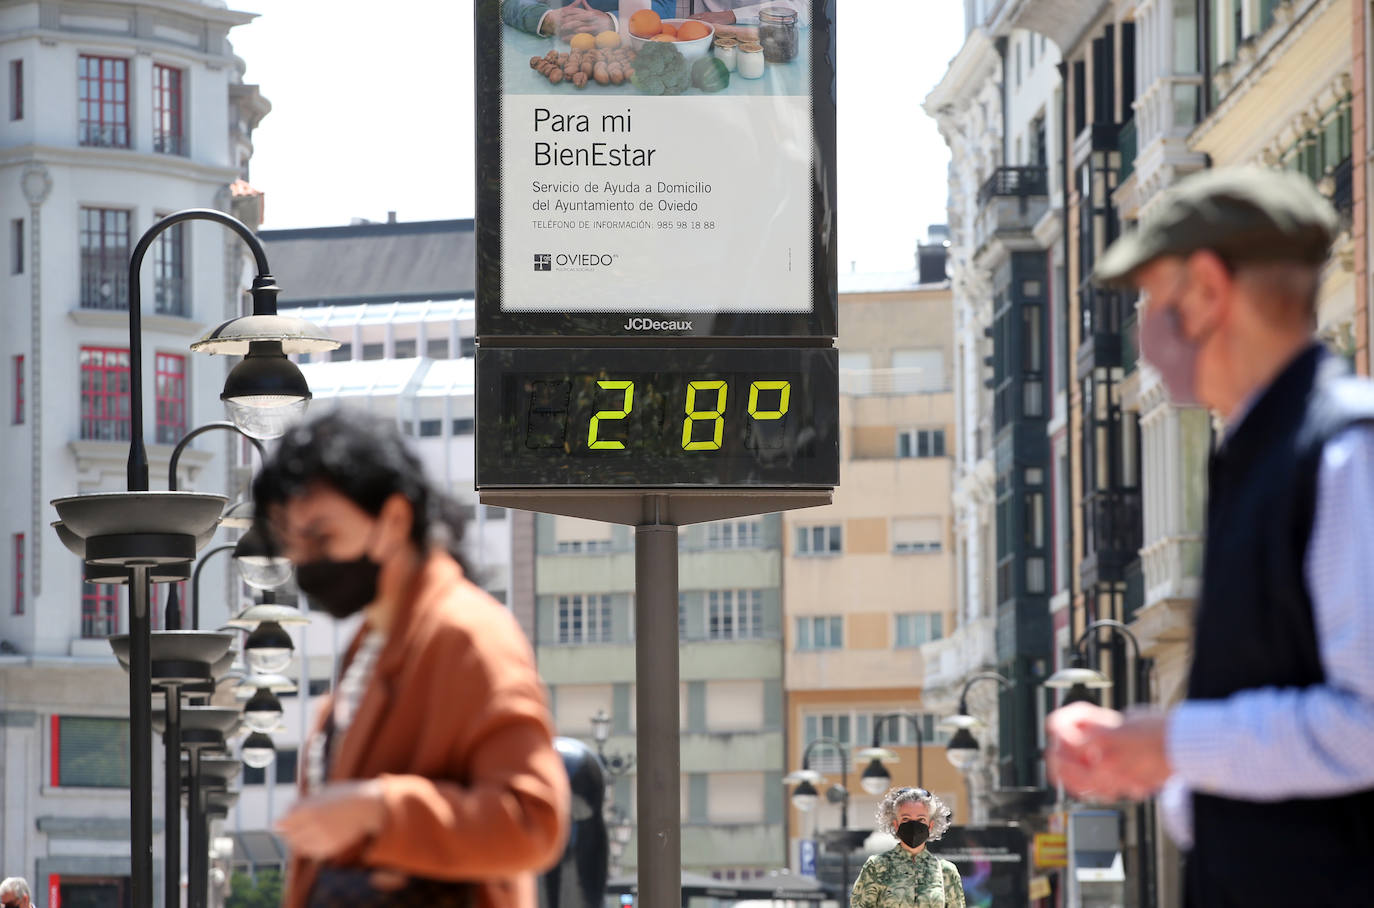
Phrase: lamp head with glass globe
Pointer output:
(258, 751)
(263, 710)
(268, 649)
(962, 750)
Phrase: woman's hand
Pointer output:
(336, 818)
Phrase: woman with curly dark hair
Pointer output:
(909, 876)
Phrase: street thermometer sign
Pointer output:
(656, 297)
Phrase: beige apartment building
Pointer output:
(868, 581)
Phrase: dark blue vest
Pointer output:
(1255, 628)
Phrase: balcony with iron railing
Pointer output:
(107, 428)
(105, 285)
(104, 135)
(167, 143)
(1112, 531)
(1011, 202)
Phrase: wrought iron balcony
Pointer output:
(1009, 204)
(1112, 531)
(105, 288)
(104, 135)
(1015, 182)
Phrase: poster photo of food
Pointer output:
(656, 163)
(609, 47)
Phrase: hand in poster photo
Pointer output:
(734, 12)
(558, 18)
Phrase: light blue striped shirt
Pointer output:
(1272, 744)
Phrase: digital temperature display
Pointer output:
(620, 417)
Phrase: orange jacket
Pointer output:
(455, 723)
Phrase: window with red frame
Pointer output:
(168, 135)
(171, 398)
(104, 394)
(104, 258)
(19, 573)
(99, 610)
(18, 389)
(103, 83)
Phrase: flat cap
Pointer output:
(1243, 214)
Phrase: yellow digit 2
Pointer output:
(695, 416)
(784, 399)
(626, 403)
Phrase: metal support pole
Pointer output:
(171, 821)
(656, 707)
(195, 582)
(844, 825)
(140, 738)
(197, 874)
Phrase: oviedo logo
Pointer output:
(573, 261)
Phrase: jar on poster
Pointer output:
(749, 60)
(778, 33)
(726, 51)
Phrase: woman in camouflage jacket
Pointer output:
(909, 876)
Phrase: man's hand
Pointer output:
(336, 818)
(578, 21)
(575, 18)
(1071, 752)
(1102, 755)
(725, 18)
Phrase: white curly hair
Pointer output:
(940, 815)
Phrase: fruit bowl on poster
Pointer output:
(690, 48)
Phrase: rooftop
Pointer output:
(390, 262)
(886, 282)
(391, 378)
(394, 313)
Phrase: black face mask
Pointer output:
(340, 588)
(913, 833)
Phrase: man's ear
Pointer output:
(1210, 295)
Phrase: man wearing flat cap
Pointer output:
(1265, 772)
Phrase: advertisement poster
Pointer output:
(654, 163)
(992, 863)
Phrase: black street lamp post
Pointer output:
(876, 779)
(962, 749)
(617, 764)
(147, 533)
(805, 796)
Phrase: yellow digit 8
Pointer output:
(785, 398)
(695, 416)
(626, 403)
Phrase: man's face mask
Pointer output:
(1165, 346)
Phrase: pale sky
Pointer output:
(372, 112)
